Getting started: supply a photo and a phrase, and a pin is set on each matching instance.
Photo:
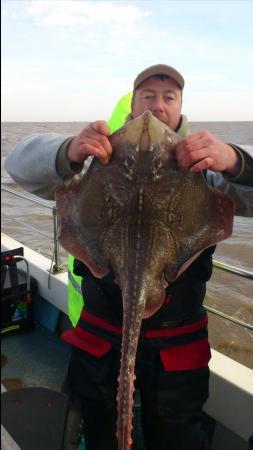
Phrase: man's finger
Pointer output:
(202, 165)
(188, 151)
(101, 127)
(187, 160)
(196, 136)
(97, 151)
(98, 133)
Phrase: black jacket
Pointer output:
(183, 302)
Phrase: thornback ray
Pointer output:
(144, 218)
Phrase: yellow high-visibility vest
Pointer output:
(120, 112)
(75, 297)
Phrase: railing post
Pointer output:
(57, 265)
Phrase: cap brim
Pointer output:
(159, 69)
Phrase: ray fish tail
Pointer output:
(134, 306)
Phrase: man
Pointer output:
(172, 389)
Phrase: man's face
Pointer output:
(162, 97)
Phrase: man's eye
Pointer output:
(148, 97)
(168, 98)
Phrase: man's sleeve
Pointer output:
(239, 188)
(245, 176)
(32, 164)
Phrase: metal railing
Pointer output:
(58, 268)
(232, 269)
(236, 271)
(230, 318)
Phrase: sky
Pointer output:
(71, 60)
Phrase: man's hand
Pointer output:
(202, 150)
(93, 140)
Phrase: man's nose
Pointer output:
(158, 106)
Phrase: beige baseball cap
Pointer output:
(159, 69)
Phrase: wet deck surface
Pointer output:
(38, 358)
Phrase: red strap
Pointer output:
(156, 333)
(177, 331)
(186, 357)
(94, 320)
(86, 341)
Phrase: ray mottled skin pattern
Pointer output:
(143, 217)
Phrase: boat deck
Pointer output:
(37, 358)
